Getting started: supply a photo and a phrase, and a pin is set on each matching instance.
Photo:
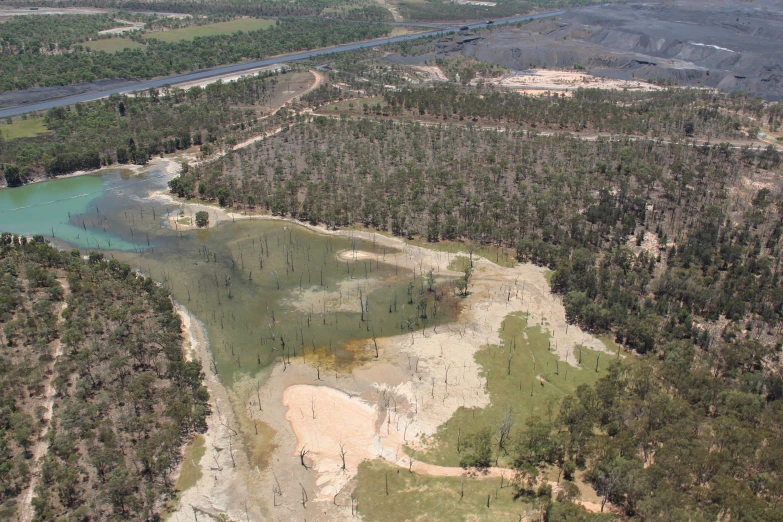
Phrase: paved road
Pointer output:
(228, 69)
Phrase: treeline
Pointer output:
(647, 239)
(125, 399)
(687, 435)
(668, 113)
(162, 58)
(132, 129)
(36, 34)
(199, 7)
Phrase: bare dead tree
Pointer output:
(302, 454)
(304, 496)
(504, 430)
(342, 456)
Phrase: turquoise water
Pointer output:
(68, 210)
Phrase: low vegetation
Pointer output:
(213, 29)
(23, 128)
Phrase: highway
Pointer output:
(239, 67)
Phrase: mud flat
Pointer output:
(328, 419)
(225, 477)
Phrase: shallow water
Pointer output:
(74, 210)
(265, 290)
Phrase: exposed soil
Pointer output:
(226, 476)
(26, 510)
(542, 80)
(731, 45)
(416, 384)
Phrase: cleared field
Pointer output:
(112, 45)
(189, 33)
(23, 128)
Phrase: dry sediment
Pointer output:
(416, 384)
(225, 486)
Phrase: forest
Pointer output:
(98, 397)
(348, 9)
(24, 65)
(132, 129)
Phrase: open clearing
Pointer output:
(189, 33)
(20, 128)
(112, 45)
(541, 80)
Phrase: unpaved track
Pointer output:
(42, 445)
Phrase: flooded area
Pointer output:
(321, 349)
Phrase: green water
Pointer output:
(265, 290)
(65, 210)
(269, 291)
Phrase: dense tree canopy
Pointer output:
(125, 399)
(158, 58)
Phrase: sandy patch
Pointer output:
(433, 72)
(343, 297)
(337, 431)
(547, 80)
(357, 255)
(129, 26)
(226, 477)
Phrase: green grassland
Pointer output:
(421, 497)
(23, 128)
(534, 386)
(231, 27)
(112, 45)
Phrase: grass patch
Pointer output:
(191, 472)
(609, 343)
(231, 27)
(532, 363)
(422, 497)
(112, 45)
(23, 128)
(459, 264)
